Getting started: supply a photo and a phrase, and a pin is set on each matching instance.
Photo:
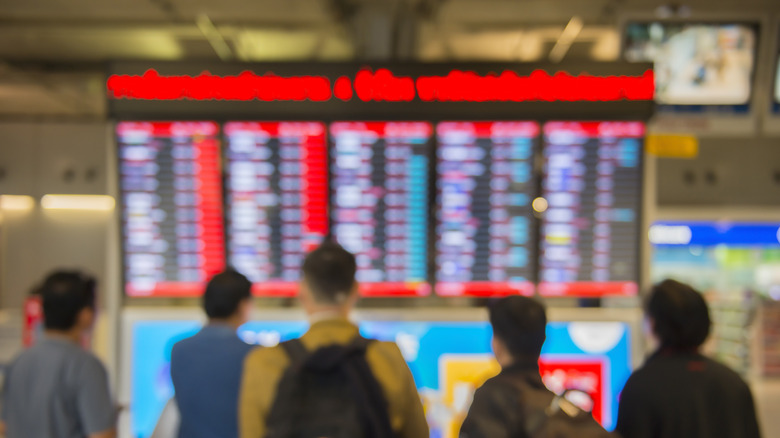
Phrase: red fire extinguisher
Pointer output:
(33, 320)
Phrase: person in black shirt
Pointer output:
(679, 393)
(519, 325)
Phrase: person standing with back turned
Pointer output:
(679, 393)
(206, 368)
(332, 382)
(56, 389)
(515, 403)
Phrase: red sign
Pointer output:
(584, 375)
(589, 289)
(383, 85)
(33, 320)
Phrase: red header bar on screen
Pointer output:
(171, 289)
(383, 85)
(491, 129)
(281, 289)
(592, 289)
(167, 129)
(412, 289)
(484, 289)
(597, 129)
(385, 129)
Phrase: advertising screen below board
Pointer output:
(448, 359)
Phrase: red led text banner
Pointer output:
(382, 85)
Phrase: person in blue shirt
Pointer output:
(206, 368)
(56, 389)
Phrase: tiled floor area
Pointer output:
(767, 396)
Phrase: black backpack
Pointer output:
(553, 416)
(329, 393)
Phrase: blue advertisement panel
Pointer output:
(714, 233)
(152, 342)
(449, 360)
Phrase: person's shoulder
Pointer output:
(265, 357)
(720, 368)
(180, 347)
(498, 390)
(6, 370)
(387, 350)
(89, 364)
(646, 373)
(243, 346)
(186, 343)
(722, 373)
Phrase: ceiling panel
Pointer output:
(91, 44)
(262, 11)
(72, 94)
(79, 9)
(253, 11)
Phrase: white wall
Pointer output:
(41, 158)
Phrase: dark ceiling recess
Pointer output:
(167, 7)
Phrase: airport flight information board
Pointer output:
(485, 221)
(379, 206)
(172, 218)
(277, 196)
(592, 184)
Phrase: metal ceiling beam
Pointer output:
(214, 37)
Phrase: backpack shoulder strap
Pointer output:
(295, 350)
(367, 390)
(359, 343)
(536, 400)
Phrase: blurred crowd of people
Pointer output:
(332, 382)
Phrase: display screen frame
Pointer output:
(639, 241)
(740, 109)
(534, 223)
(121, 207)
(775, 100)
(431, 148)
(284, 288)
(384, 300)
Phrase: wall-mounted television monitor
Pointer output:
(379, 208)
(485, 226)
(592, 186)
(776, 103)
(448, 359)
(277, 200)
(696, 63)
(171, 198)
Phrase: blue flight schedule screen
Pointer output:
(485, 223)
(379, 208)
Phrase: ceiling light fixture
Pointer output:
(16, 203)
(78, 202)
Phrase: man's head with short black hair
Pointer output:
(329, 274)
(65, 295)
(520, 323)
(225, 293)
(679, 314)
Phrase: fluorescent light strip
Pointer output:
(567, 38)
(78, 202)
(16, 203)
